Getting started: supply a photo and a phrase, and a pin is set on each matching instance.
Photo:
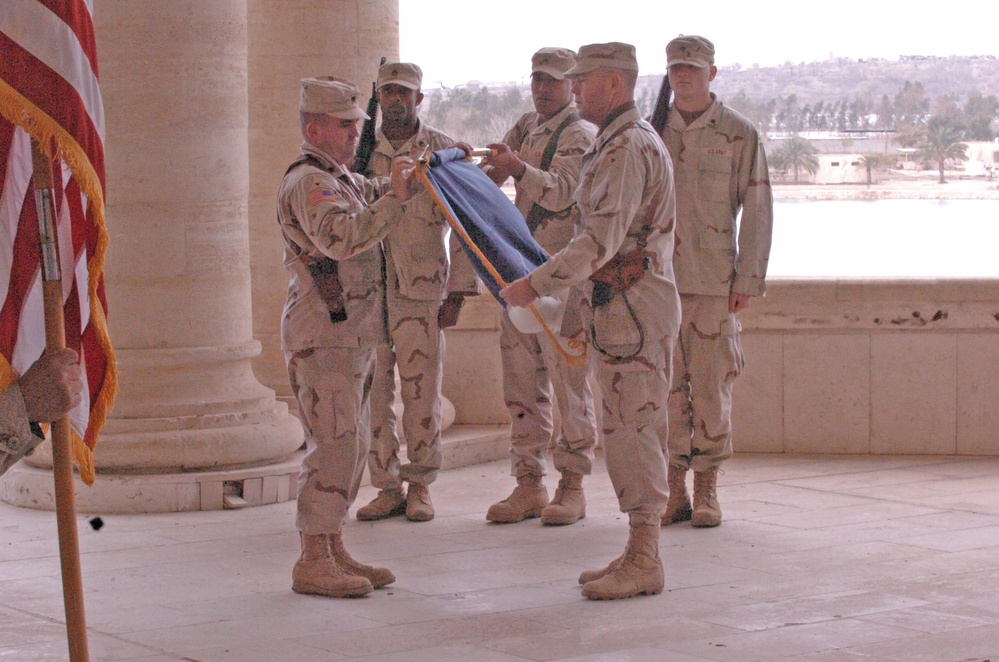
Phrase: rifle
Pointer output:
(366, 142)
(661, 112)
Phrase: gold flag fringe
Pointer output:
(57, 142)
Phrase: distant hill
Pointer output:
(850, 92)
(842, 78)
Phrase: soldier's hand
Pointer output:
(402, 177)
(464, 147)
(519, 293)
(51, 386)
(505, 160)
(450, 308)
(737, 302)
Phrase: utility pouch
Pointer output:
(618, 276)
(325, 275)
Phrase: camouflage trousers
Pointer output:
(636, 426)
(532, 369)
(417, 349)
(707, 360)
(332, 386)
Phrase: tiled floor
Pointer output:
(822, 558)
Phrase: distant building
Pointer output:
(841, 157)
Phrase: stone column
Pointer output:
(192, 428)
(290, 41)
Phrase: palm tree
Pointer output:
(797, 154)
(875, 161)
(941, 143)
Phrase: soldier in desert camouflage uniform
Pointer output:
(720, 169)
(543, 153)
(327, 212)
(626, 200)
(425, 290)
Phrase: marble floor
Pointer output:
(820, 558)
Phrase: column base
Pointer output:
(467, 445)
(26, 486)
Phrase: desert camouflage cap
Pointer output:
(614, 55)
(690, 49)
(406, 74)
(553, 61)
(331, 96)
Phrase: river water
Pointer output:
(885, 239)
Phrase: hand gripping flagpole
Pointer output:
(423, 165)
(62, 463)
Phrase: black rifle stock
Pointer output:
(661, 112)
(366, 141)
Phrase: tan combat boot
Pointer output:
(707, 512)
(638, 572)
(378, 577)
(419, 507)
(588, 576)
(388, 503)
(569, 504)
(317, 573)
(678, 504)
(527, 500)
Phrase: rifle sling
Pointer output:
(324, 270)
(539, 213)
(305, 258)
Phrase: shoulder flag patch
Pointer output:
(321, 195)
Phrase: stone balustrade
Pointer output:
(871, 366)
(832, 366)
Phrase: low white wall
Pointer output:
(832, 366)
(871, 366)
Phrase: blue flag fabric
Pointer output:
(492, 222)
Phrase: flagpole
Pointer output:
(62, 464)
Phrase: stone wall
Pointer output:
(884, 367)
(832, 366)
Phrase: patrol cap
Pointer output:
(690, 49)
(331, 96)
(406, 74)
(614, 55)
(553, 61)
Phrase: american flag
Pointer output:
(49, 91)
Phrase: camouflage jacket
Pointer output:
(720, 168)
(625, 197)
(329, 214)
(552, 189)
(423, 266)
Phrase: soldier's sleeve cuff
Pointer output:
(16, 434)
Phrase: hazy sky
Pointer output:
(493, 40)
